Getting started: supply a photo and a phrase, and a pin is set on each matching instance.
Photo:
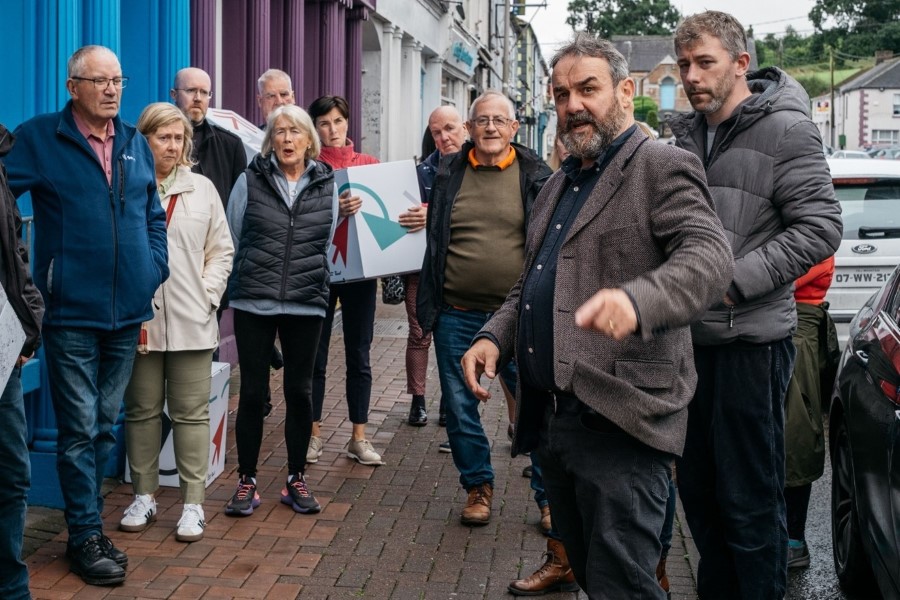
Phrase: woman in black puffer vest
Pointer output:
(280, 213)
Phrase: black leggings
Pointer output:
(358, 320)
(796, 501)
(255, 335)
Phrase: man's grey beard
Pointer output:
(593, 145)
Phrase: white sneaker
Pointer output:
(363, 452)
(140, 513)
(314, 450)
(191, 524)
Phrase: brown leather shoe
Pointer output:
(661, 576)
(546, 522)
(555, 575)
(478, 505)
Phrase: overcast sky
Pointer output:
(766, 16)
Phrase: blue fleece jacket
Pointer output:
(100, 250)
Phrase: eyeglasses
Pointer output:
(282, 95)
(195, 92)
(499, 122)
(101, 83)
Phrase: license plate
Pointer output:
(861, 276)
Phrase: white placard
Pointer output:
(250, 134)
(12, 337)
(372, 243)
(218, 426)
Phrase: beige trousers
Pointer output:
(181, 380)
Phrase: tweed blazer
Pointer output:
(648, 227)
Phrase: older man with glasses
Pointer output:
(100, 253)
(219, 154)
(275, 89)
(480, 202)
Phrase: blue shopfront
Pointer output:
(151, 38)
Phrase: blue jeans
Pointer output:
(15, 473)
(452, 336)
(731, 475)
(89, 370)
(607, 495)
(537, 482)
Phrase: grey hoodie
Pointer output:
(772, 191)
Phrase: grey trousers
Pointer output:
(181, 380)
(608, 492)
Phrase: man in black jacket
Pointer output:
(15, 465)
(479, 209)
(220, 154)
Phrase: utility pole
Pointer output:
(831, 105)
(506, 11)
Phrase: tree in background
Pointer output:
(606, 18)
(856, 27)
(643, 105)
(789, 50)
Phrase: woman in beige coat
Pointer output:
(173, 365)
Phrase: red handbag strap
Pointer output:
(171, 208)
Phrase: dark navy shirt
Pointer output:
(535, 346)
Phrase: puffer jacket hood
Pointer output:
(777, 91)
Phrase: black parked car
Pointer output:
(865, 450)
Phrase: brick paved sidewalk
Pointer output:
(390, 532)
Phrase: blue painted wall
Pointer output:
(151, 38)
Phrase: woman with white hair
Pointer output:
(173, 365)
(280, 213)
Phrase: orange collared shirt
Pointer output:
(510, 159)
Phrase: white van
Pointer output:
(869, 193)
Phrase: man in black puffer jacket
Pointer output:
(772, 191)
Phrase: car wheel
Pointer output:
(850, 561)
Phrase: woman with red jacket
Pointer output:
(330, 115)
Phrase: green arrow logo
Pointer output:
(385, 231)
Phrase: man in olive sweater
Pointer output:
(479, 209)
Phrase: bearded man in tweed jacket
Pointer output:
(623, 251)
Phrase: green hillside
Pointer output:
(816, 78)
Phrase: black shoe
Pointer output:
(442, 419)
(418, 416)
(90, 562)
(445, 447)
(527, 472)
(112, 552)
